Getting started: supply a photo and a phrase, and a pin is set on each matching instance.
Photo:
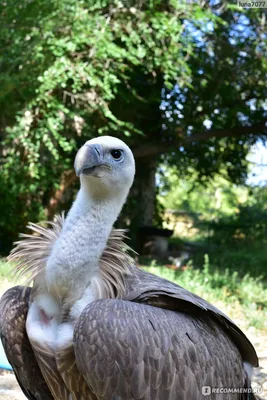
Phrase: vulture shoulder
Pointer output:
(150, 289)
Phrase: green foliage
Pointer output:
(242, 231)
(247, 226)
(73, 70)
(229, 221)
(223, 69)
(227, 214)
(212, 199)
(63, 64)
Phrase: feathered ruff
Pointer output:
(31, 253)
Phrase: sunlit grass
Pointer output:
(242, 298)
(243, 257)
(7, 277)
(5, 269)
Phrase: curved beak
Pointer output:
(88, 158)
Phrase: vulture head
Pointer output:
(106, 167)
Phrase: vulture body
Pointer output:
(95, 327)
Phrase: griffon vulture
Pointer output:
(95, 327)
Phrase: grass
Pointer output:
(242, 297)
(5, 269)
(244, 258)
(7, 278)
(241, 256)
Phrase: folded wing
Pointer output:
(13, 312)
(127, 350)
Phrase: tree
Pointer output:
(152, 72)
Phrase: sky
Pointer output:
(258, 158)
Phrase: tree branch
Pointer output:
(155, 148)
(237, 131)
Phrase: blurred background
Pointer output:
(183, 83)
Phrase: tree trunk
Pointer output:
(68, 178)
(146, 193)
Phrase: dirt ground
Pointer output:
(260, 374)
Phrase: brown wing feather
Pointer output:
(136, 351)
(71, 376)
(13, 312)
(46, 361)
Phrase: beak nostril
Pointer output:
(97, 150)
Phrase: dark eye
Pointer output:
(116, 154)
